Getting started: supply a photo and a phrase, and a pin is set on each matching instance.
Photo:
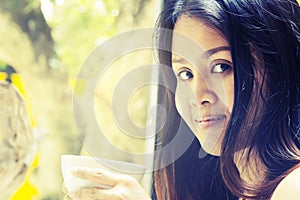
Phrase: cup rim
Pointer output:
(114, 165)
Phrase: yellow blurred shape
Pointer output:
(26, 191)
(3, 75)
(78, 85)
(17, 82)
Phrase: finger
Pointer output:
(96, 175)
(94, 193)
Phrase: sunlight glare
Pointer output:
(59, 2)
(47, 9)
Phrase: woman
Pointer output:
(260, 137)
(237, 70)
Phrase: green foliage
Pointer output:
(27, 15)
(78, 27)
(32, 4)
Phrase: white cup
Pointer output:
(69, 162)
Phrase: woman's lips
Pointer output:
(209, 120)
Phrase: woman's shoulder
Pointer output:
(289, 187)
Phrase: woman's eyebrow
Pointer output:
(206, 54)
(212, 51)
(178, 60)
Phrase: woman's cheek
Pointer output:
(179, 101)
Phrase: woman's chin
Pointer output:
(211, 147)
(211, 141)
(212, 151)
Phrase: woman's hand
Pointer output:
(119, 186)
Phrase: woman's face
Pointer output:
(205, 84)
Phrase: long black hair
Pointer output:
(264, 37)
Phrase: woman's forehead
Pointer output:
(192, 35)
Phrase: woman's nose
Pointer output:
(203, 95)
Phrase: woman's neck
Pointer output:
(251, 170)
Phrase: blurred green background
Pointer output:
(47, 41)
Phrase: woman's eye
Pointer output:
(220, 68)
(185, 75)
